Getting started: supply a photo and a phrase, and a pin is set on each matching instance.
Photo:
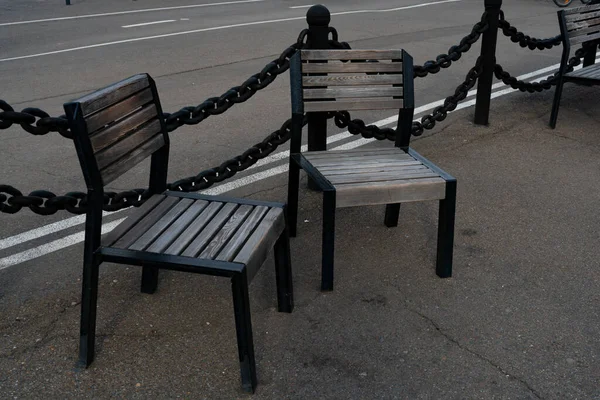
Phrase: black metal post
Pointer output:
(488, 60)
(318, 18)
(68, 2)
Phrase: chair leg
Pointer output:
(328, 240)
(243, 326)
(445, 245)
(149, 279)
(89, 301)
(292, 206)
(392, 213)
(283, 274)
(556, 103)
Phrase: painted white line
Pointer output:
(149, 23)
(306, 6)
(51, 247)
(215, 28)
(128, 12)
(184, 19)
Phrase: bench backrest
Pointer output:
(580, 24)
(116, 128)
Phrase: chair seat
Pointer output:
(188, 226)
(590, 73)
(377, 176)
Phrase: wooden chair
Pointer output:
(580, 25)
(321, 82)
(116, 128)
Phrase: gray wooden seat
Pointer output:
(115, 129)
(338, 80)
(578, 26)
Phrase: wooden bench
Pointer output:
(115, 129)
(321, 81)
(579, 25)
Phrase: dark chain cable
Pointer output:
(334, 43)
(33, 120)
(526, 40)
(546, 84)
(455, 52)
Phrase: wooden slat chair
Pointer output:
(580, 25)
(364, 177)
(116, 128)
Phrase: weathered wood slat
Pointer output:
(119, 149)
(351, 54)
(160, 225)
(586, 38)
(145, 223)
(584, 31)
(242, 235)
(226, 232)
(136, 216)
(349, 105)
(113, 133)
(591, 72)
(372, 169)
(582, 24)
(378, 150)
(355, 194)
(112, 94)
(349, 161)
(345, 68)
(333, 154)
(118, 110)
(210, 230)
(113, 171)
(194, 228)
(356, 92)
(257, 247)
(352, 80)
(177, 227)
(580, 13)
(381, 176)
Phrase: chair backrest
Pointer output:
(580, 24)
(116, 128)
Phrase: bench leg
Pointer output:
(149, 279)
(392, 213)
(283, 273)
(243, 326)
(292, 206)
(328, 240)
(556, 103)
(445, 246)
(89, 301)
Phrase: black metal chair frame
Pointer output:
(95, 254)
(447, 206)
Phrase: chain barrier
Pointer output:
(526, 40)
(532, 87)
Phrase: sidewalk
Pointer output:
(518, 320)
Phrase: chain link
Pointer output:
(526, 40)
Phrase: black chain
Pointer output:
(545, 84)
(526, 40)
(455, 52)
(33, 120)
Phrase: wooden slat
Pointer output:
(354, 161)
(127, 144)
(113, 171)
(343, 92)
(177, 227)
(355, 194)
(257, 247)
(113, 94)
(194, 228)
(584, 31)
(351, 54)
(583, 39)
(161, 225)
(377, 150)
(332, 155)
(583, 12)
(145, 223)
(108, 136)
(118, 110)
(210, 230)
(352, 80)
(345, 68)
(226, 232)
(371, 169)
(381, 176)
(136, 216)
(348, 105)
(591, 72)
(582, 24)
(242, 235)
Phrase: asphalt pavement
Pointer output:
(518, 319)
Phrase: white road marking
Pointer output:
(149, 23)
(231, 185)
(128, 12)
(184, 19)
(214, 28)
(306, 6)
